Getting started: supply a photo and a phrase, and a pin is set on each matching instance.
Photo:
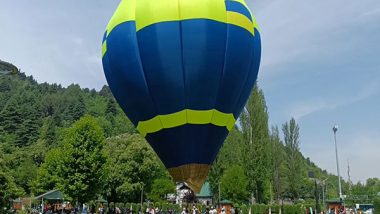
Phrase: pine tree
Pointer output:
(277, 150)
(111, 109)
(293, 158)
(257, 145)
(10, 117)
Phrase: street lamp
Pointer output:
(335, 129)
(142, 196)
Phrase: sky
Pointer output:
(320, 65)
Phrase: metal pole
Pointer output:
(142, 195)
(219, 195)
(324, 191)
(323, 194)
(335, 129)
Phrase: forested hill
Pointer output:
(30, 111)
(34, 119)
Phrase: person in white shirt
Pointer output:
(184, 211)
(223, 210)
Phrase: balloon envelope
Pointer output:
(182, 71)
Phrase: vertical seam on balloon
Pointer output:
(222, 75)
(143, 71)
(247, 79)
(182, 60)
(224, 63)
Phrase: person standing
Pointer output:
(223, 210)
(184, 211)
(195, 210)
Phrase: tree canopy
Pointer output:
(80, 141)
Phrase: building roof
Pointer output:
(205, 191)
(225, 201)
(51, 195)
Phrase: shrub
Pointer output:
(376, 204)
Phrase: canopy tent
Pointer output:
(51, 195)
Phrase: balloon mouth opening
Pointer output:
(192, 175)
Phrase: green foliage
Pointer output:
(294, 159)
(34, 119)
(82, 162)
(25, 174)
(376, 204)
(76, 107)
(278, 164)
(161, 188)
(234, 185)
(256, 154)
(131, 164)
(230, 153)
(36, 129)
(48, 176)
(8, 188)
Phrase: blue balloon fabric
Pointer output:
(182, 71)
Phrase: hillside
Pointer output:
(7, 68)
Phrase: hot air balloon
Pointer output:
(182, 71)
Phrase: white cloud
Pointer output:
(307, 107)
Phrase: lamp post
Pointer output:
(323, 191)
(142, 197)
(219, 195)
(335, 129)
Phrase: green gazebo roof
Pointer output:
(225, 201)
(51, 195)
(205, 191)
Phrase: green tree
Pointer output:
(230, 154)
(131, 165)
(83, 160)
(8, 188)
(161, 187)
(10, 117)
(376, 204)
(122, 125)
(234, 185)
(25, 174)
(74, 105)
(48, 130)
(277, 150)
(48, 174)
(293, 159)
(111, 109)
(373, 186)
(254, 120)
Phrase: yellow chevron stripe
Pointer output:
(125, 12)
(241, 21)
(186, 116)
(148, 12)
(104, 48)
(255, 25)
